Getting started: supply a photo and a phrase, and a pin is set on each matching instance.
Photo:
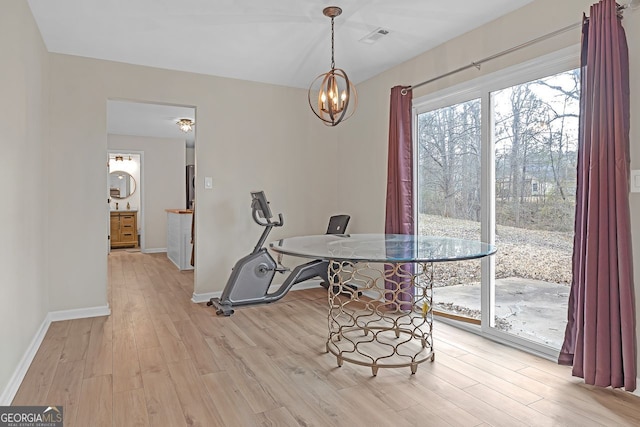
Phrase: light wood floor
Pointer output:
(160, 360)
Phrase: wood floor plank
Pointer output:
(460, 399)
(172, 347)
(325, 367)
(163, 406)
(194, 398)
(441, 407)
(420, 416)
(516, 393)
(96, 402)
(130, 409)
(173, 304)
(564, 416)
(138, 306)
(273, 380)
(145, 334)
(120, 310)
(59, 328)
(35, 386)
(126, 365)
(259, 397)
(332, 402)
(77, 343)
(227, 399)
(520, 412)
(447, 373)
(99, 360)
(369, 408)
(195, 344)
(65, 390)
(276, 417)
(236, 337)
(208, 323)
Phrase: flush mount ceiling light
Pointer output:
(185, 125)
(332, 97)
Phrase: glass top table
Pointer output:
(380, 292)
(382, 248)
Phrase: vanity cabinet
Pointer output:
(124, 229)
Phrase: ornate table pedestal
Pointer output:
(374, 318)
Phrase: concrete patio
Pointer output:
(531, 309)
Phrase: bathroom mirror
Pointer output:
(121, 185)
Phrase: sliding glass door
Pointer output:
(496, 161)
(448, 199)
(535, 131)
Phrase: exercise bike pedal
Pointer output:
(282, 270)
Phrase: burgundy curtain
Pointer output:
(600, 336)
(399, 218)
(399, 211)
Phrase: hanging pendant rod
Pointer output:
(477, 64)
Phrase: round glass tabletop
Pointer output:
(382, 248)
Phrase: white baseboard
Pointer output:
(21, 370)
(637, 390)
(154, 250)
(79, 313)
(198, 298)
(309, 284)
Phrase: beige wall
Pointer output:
(363, 140)
(250, 136)
(162, 185)
(23, 167)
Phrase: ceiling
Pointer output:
(144, 119)
(282, 42)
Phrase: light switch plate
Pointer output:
(208, 183)
(635, 181)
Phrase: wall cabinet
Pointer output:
(124, 229)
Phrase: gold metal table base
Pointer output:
(374, 318)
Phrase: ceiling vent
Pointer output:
(374, 36)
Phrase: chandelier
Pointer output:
(332, 97)
(185, 125)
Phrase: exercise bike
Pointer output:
(252, 275)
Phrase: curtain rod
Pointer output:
(477, 64)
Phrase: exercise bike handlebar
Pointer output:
(268, 225)
(267, 221)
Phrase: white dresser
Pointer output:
(179, 237)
